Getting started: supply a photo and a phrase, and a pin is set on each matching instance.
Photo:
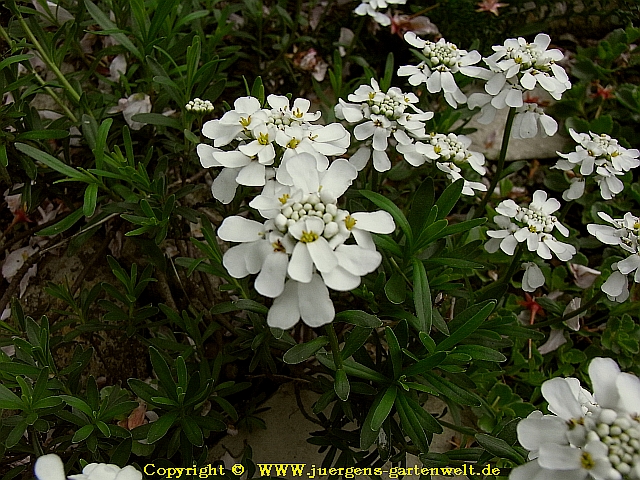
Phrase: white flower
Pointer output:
(136, 103)
(583, 276)
(555, 340)
(625, 233)
(50, 467)
(444, 59)
(601, 156)
(386, 115)
(533, 277)
(52, 12)
(118, 67)
(370, 7)
(15, 260)
(534, 225)
(453, 173)
(245, 116)
(309, 301)
(590, 437)
(530, 120)
(531, 63)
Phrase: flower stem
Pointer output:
(335, 346)
(514, 265)
(501, 159)
(592, 301)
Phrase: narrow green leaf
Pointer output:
(394, 351)
(163, 372)
(160, 427)
(10, 400)
(300, 353)
(449, 198)
(410, 424)
(425, 365)
(422, 296)
(16, 434)
(478, 352)
(157, 119)
(15, 59)
(384, 408)
(471, 319)
(43, 135)
(341, 385)
(106, 24)
(396, 288)
(499, 448)
(352, 368)
(82, 434)
(52, 162)
(367, 434)
(78, 404)
(90, 199)
(181, 368)
(193, 431)
(101, 142)
(359, 318)
(427, 421)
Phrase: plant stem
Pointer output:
(592, 301)
(501, 159)
(515, 264)
(335, 346)
(45, 58)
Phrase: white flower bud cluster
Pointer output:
(308, 206)
(441, 55)
(536, 219)
(198, 105)
(449, 148)
(620, 432)
(392, 105)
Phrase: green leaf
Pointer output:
(422, 296)
(387, 205)
(15, 59)
(427, 421)
(53, 162)
(384, 407)
(341, 385)
(449, 198)
(90, 199)
(410, 424)
(101, 142)
(470, 320)
(421, 206)
(78, 404)
(16, 434)
(160, 427)
(602, 124)
(163, 372)
(451, 390)
(396, 288)
(499, 448)
(82, 434)
(9, 400)
(103, 20)
(367, 434)
(385, 82)
(157, 119)
(359, 318)
(394, 351)
(478, 352)
(425, 365)
(300, 353)
(352, 368)
(43, 135)
(192, 431)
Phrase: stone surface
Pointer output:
(285, 439)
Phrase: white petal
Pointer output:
(323, 256)
(224, 186)
(240, 229)
(285, 312)
(555, 340)
(316, 307)
(49, 467)
(301, 264)
(270, 280)
(336, 180)
(537, 429)
(629, 264)
(253, 175)
(562, 402)
(129, 473)
(603, 373)
(381, 161)
(629, 390)
(559, 457)
(340, 279)
(376, 222)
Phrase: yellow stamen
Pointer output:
(308, 237)
(283, 199)
(263, 139)
(349, 222)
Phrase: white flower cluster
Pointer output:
(198, 105)
(533, 224)
(385, 115)
(601, 155)
(587, 437)
(258, 137)
(624, 233)
(443, 60)
(370, 7)
(50, 467)
(449, 152)
(515, 68)
(300, 249)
